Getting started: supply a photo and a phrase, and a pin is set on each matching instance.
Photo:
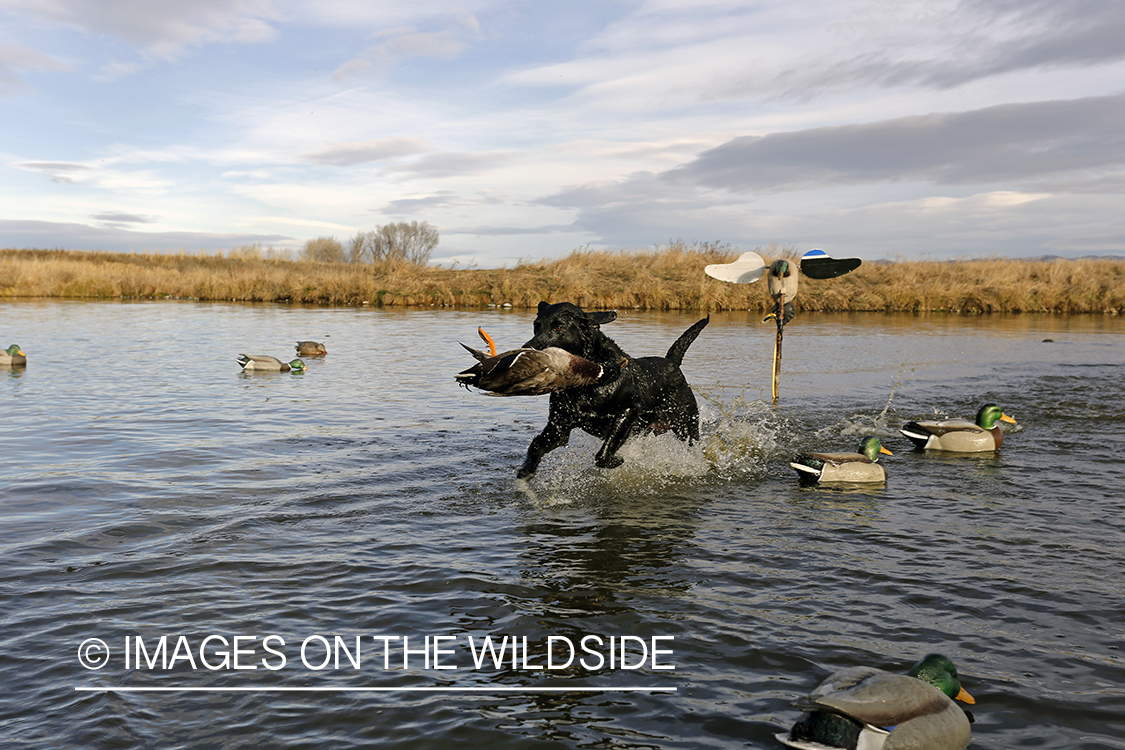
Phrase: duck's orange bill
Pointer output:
(1006, 418)
(884, 450)
(965, 697)
(488, 340)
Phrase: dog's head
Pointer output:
(568, 327)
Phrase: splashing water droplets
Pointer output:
(738, 440)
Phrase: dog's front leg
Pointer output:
(553, 436)
(607, 457)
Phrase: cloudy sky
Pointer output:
(522, 130)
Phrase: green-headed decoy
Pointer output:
(13, 355)
(960, 435)
(864, 707)
(266, 363)
(843, 467)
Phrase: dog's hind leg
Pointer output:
(685, 424)
(553, 436)
(607, 457)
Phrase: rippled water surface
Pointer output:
(150, 488)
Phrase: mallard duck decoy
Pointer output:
(843, 467)
(782, 280)
(960, 435)
(529, 372)
(864, 707)
(266, 363)
(13, 356)
(311, 349)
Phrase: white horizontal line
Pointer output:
(267, 689)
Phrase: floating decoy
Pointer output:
(311, 349)
(529, 372)
(13, 355)
(843, 467)
(266, 363)
(960, 435)
(868, 709)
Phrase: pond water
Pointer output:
(151, 488)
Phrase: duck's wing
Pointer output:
(823, 266)
(945, 426)
(927, 434)
(496, 373)
(875, 697)
(838, 458)
(746, 270)
(259, 362)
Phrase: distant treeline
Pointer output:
(669, 277)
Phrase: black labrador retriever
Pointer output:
(632, 397)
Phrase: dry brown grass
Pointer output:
(665, 278)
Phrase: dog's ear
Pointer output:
(543, 306)
(602, 316)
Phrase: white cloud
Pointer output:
(16, 60)
(353, 69)
(160, 27)
(347, 154)
(79, 236)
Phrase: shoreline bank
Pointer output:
(666, 278)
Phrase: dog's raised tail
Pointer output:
(677, 351)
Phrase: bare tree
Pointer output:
(360, 248)
(324, 249)
(412, 242)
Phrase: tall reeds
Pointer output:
(669, 277)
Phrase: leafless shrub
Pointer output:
(324, 250)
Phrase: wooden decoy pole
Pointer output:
(780, 320)
(782, 283)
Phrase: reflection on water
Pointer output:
(154, 488)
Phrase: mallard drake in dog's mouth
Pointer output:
(529, 372)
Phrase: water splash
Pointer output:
(739, 441)
(882, 425)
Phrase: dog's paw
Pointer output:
(608, 462)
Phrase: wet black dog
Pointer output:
(632, 397)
